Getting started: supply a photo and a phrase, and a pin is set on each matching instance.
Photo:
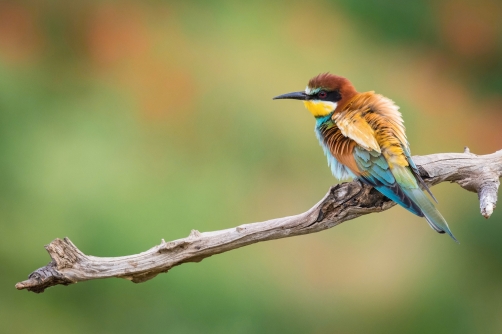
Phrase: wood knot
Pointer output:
(166, 247)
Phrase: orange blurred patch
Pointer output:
(487, 125)
(121, 46)
(470, 28)
(20, 41)
(117, 32)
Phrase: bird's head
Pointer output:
(324, 94)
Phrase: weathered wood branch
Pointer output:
(343, 202)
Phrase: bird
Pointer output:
(363, 138)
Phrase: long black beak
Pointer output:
(293, 96)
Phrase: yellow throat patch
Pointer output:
(320, 108)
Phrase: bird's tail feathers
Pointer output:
(408, 183)
(433, 216)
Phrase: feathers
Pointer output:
(416, 173)
(337, 169)
(379, 174)
(367, 136)
(433, 216)
(320, 108)
(337, 145)
(359, 130)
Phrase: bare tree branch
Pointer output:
(343, 202)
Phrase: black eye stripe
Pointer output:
(333, 96)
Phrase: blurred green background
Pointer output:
(122, 123)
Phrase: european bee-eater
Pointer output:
(362, 135)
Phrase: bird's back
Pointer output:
(367, 137)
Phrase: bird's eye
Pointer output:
(322, 94)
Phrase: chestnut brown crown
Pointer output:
(331, 82)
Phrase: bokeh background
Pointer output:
(122, 123)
